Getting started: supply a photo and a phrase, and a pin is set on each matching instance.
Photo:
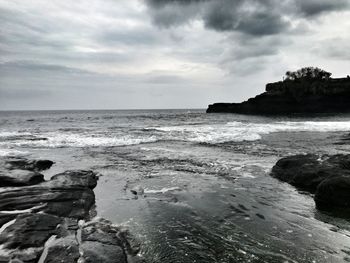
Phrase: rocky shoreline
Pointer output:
(294, 97)
(327, 177)
(53, 221)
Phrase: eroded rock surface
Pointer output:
(39, 221)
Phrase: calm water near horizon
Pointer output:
(203, 183)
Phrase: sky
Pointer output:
(153, 54)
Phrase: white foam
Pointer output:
(11, 152)
(5, 134)
(55, 140)
(204, 133)
(244, 131)
(161, 191)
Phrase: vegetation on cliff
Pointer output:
(308, 74)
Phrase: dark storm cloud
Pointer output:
(256, 30)
(316, 7)
(246, 48)
(252, 17)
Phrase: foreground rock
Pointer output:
(20, 171)
(49, 221)
(20, 178)
(334, 194)
(290, 97)
(25, 164)
(326, 176)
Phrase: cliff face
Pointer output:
(288, 97)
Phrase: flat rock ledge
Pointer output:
(51, 221)
(326, 176)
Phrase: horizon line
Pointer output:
(131, 109)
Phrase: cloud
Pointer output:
(252, 17)
(117, 53)
(317, 7)
(36, 67)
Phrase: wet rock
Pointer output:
(80, 178)
(25, 164)
(60, 200)
(29, 230)
(30, 255)
(137, 190)
(102, 232)
(5, 217)
(260, 216)
(39, 223)
(308, 171)
(334, 194)
(96, 252)
(100, 243)
(326, 176)
(65, 250)
(68, 194)
(19, 178)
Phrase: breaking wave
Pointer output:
(201, 133)
(244, 131)
(11, 152)
(57, 140)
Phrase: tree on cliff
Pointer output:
(308, 74)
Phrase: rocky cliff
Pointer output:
(298, 96)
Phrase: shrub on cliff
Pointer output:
(308, 74)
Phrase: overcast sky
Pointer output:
(119, 54)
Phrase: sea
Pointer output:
(191, 186)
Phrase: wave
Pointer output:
(11, 152)
(5, 134)
(236, 131)
(244, 131)
(59, 140)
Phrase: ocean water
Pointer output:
(203, 183)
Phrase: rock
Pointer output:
(29, 230)
(65, 250)
(30, 255)
(102, 232)
(25, 164)
(289, 97)
(100, 243)
(63, 200)
(19, 178)
(76, 178)
(137, 190)
(39, 219)
(326, 176)
(334, 194)
(5, 217)
(308, 171)
(65, 195)
(95, 252)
